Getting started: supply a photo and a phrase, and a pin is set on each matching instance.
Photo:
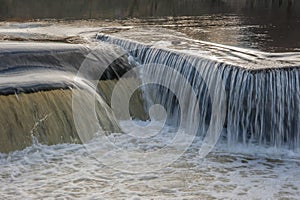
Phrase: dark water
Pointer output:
(78, 9)
(270, 25)
(237, 170)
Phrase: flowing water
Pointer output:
(262, 101)
(67, 171)
(229, 130)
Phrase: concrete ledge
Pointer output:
(262, 91)
(172, 41)
(36, 83)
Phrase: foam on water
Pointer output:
(261, 99)
(70, 171)
(240, 171)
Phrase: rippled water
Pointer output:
(266, 33)
(70, 171)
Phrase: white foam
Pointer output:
(69, 171)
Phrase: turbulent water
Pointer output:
(261, 94)
(69, 171)
(257, 151)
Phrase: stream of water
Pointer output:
(225, 57)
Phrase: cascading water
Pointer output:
(262, 104)
(36, 90)
(37, 82)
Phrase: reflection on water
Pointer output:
(69, 171)
(236, 30)
(271, 25)
(79, 9)
(231, 30)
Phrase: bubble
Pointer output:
(131, 151)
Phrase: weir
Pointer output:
(262, 90)
(36, 85)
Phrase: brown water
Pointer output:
(73, 171)
(270, 25)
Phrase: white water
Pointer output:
(239, 171)
(261, 104)
(68, 171)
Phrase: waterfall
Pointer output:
(261, 104)
(241, 105)
(37, 83)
